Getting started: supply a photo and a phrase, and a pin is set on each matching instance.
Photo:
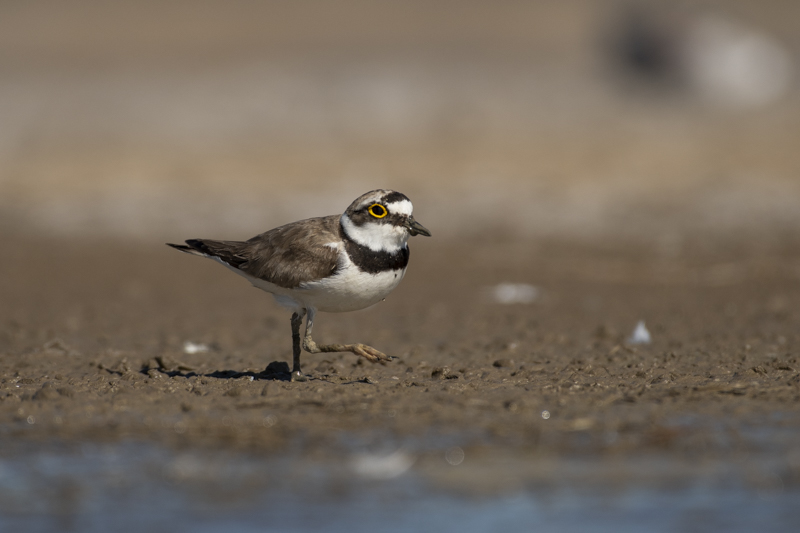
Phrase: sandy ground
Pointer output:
(93, 337)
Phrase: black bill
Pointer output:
(415, 228)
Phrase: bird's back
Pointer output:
(286, 256)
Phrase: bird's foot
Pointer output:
(297, 376)
(310, 345)
(369, 353)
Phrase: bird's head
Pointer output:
(381, 220)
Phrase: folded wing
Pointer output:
(287, 256)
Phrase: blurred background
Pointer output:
(642, 120)
(630, 161)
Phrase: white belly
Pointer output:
(348, 290)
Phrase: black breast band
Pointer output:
(372, 262)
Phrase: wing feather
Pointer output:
(286, 256)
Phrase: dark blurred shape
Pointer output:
(645, 45)
(707, 54)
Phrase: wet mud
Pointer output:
(118, 341)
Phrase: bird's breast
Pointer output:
(350, 288)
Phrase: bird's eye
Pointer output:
(377, 210)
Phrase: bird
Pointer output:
(337, 263)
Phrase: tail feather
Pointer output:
(227, 251)
(185, 249)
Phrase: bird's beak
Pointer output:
(415, 228)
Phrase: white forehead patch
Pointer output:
(403, 207)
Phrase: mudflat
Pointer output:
(107, 340)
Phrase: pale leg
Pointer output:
(368, 352)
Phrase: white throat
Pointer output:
(377, 237)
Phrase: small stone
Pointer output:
(503, 363)
(640, 334)
(440, 372)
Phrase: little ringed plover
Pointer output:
(336, 263)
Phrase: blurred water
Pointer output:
(139, 488)
(133, 486)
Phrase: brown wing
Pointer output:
(286, 256)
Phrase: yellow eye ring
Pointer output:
(378, 211)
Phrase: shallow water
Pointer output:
(134, 486)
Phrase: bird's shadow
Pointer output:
(275, 371)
